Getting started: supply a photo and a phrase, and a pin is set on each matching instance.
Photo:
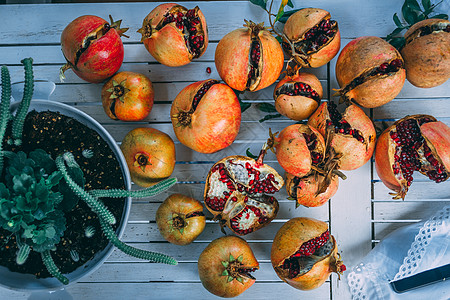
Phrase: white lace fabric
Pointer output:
(405, 252)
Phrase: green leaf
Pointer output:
(397, 20)
(279, 14)
(426, 4)
(290, 4)
(397, 42)
(410, 14)
(260, 3)
(225, 264)
(440, 16)
(267, 107)
(394, 33)
(249, 154)
(244, 105)
(269, 117)
(287, 14)
(279, 39)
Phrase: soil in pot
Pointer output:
(56, 133)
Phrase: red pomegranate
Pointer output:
(128, 96)
(304, 254)
(427, 53)
(311, 190)
(175, 35)
(298, 95)
(150, 155)
(351, 135)
(414, 143)
(225, 266)
(206, 116)
(313, 39)
(370, 71)
(249, 58)
(92, 48)
(237, 193)
(180, 219)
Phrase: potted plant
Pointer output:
(64, 193)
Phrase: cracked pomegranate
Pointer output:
(370, 72)
(351, 135)
(298, 96)
(238, 193)
(313, 35)
(175, 35)
(304, 254)
(226, 265)
(249, 58)
(427, 53)
(206, 116)
(414, 143)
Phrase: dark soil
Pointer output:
(56, 134)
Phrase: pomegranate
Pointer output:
(414, 143)
(175, 35)
(236, 193)
(298, 95)
(128, 96)
(370, 71)
(249, 58)
(313, 39)
(206, 116)
(427, 53)
(350, 135)
(225, 266)
(304, 254)
(311, 190)
(298, 147)
(180, 219)
(150, 155)
(92, 48)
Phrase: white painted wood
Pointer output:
(360, 213)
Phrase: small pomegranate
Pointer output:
(370, 71)
(298, 148)
(180, 219)
(414, 143)
(236, 193)
(225, 266)
(206, 116)
(249, 58)
(92, 48)
(314, 37)
(427, 53)
(311, 190)
(175, 35)
(298, 95)
(304, 254)
(351, 135)
(128, 96)
(150, 155)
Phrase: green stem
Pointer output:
(17, 126)
(52, 268)
(98, 207)
(4, 109)
(139, 253)
(148, 192)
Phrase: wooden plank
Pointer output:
(417, 190)
(395, 210)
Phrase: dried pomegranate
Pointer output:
(206, 116)
(150, 155)
(351, 135)
(370, 71)
(92, 48)
(225, 266)
(180, 219)
(313, 35)
(311, 190)
(128, 96)
(304, 254)
(427, 53)
(249, 58)
(298, 148)
(298, 95)
(414, 143)
(175, 35)
(236, 193)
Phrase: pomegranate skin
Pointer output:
(167, 45)
(427, 58)
(305, 193)
(298, 107)
(363, 54)
(104, 55)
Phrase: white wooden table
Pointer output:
(360, 214)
